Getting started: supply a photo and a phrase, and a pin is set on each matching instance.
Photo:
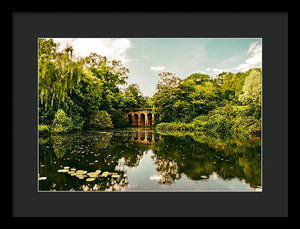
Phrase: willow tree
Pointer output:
(58, 72)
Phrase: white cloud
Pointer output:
(253, 60)
(157, 68)
(112, 48)
(252, 46)
(214, 71)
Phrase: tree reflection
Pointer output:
(198, 157)
(174, 155)
(167, 170)
(88, 152)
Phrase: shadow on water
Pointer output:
(125, 158)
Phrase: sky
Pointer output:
(147, 57)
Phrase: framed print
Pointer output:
(158, 112)
(207, 137)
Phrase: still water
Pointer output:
(137, 159)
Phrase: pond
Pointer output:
(140, 159)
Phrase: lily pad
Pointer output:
(81, 172)
(115, 176)
(81, 176)
(104, 174)
(42, 178)
(90, 179)
(67, 167)
(73, 169)
(91, 174)
(62, 170)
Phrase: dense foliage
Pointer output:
(73, 90)
(101, 120)
(229, 104)
(62, 123)
(83, 93)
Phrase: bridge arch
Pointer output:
(129, 119)
(135, 119)
(149, 119)
(142, 119)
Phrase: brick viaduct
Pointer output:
(139, 116)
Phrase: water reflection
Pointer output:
(144, 136)
(141, 159)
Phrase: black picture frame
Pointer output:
(271, 26)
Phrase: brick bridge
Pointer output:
(138, 116)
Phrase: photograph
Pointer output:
(149, 114)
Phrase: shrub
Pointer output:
(242, 111)
(44, 130)
(78, 122)
(118, 119)
(255, 129)
(222, 122)
(219, 124)
(200, 122)
(202, 118)
(223, 125)
(246, 127)
(101, 120)
(61, 123)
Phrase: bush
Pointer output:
(101, 120)
(200, 123)
(61, 123)
(246, 127)
(222, 122)
(118, 119)
(255, 129)
(219, 124)
(78, 122)
(44, 130)
(243, 111)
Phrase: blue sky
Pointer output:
(147, 57)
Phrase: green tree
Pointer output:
(80, 87)
(58, 73)
(61, 123)
(167, 80)
(101, 120)
(183, 100)
(133, 97)
(252, 88)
